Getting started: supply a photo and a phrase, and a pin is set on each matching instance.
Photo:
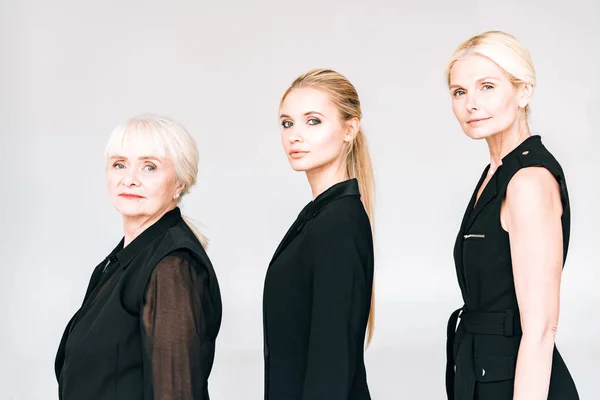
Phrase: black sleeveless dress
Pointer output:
(482, 352)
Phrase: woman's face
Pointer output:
(484, 100)
(313, 134)
(141, 184)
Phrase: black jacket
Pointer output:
(148, 323)
(316, 301)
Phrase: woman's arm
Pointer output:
(532, 216)
(172, 321)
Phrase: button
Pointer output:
(482, 372)
(525, 152)
(113, 259)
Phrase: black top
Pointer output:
(485, 346)
(316, 301)
(148, 323)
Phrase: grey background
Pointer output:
(71, 71)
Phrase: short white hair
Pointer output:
(169, 140)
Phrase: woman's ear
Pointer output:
(525, 94)
(179, 189)
(353, 127)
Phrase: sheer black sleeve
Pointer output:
(173, 324)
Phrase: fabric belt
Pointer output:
(460, 371)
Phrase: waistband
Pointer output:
(503, 323)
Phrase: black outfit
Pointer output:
(484, 348)
(148, 323)
(317, 299)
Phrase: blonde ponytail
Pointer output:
(358, 164)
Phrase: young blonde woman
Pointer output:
(513, 239)
(318, 287)
(152, 311)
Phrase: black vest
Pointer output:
(484, 347)
(100, 354)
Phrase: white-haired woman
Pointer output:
(513, 240)
(150, 317)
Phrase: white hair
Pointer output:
(169, 139)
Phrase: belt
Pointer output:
(460, 371)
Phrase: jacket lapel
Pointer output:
(458, 248)
(291, 233)
(488, 194)
(289, 236)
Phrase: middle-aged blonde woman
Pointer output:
(152, 310)
(513, 240)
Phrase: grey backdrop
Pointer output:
(72, 70)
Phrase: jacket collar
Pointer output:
(492, 188)
(335, 192)
(125, 254)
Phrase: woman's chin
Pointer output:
(299, 166)
(129, 210)
(476, 134)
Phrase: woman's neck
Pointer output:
(502, 143)
(134, 226)
(321, 179)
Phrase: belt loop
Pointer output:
(509, 318)
(450, 361)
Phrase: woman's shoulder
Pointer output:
(180, 263)
(535, 153)
(346, 216)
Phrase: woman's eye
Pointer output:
(314, 121)
(458, 93)
(118, 166)
(287, 124)
(487, 87)
(149, 168)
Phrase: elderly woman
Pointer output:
(152, 310)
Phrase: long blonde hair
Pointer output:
(358, 161)
(505, 51)
(169, 139)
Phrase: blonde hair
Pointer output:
(358, 161)
(505, 51)
(169, 140)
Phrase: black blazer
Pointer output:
(317, 299)
(148, 323)
(482, 352)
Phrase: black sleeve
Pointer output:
(172, 322)
(339, 304)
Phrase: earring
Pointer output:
(176, 195)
